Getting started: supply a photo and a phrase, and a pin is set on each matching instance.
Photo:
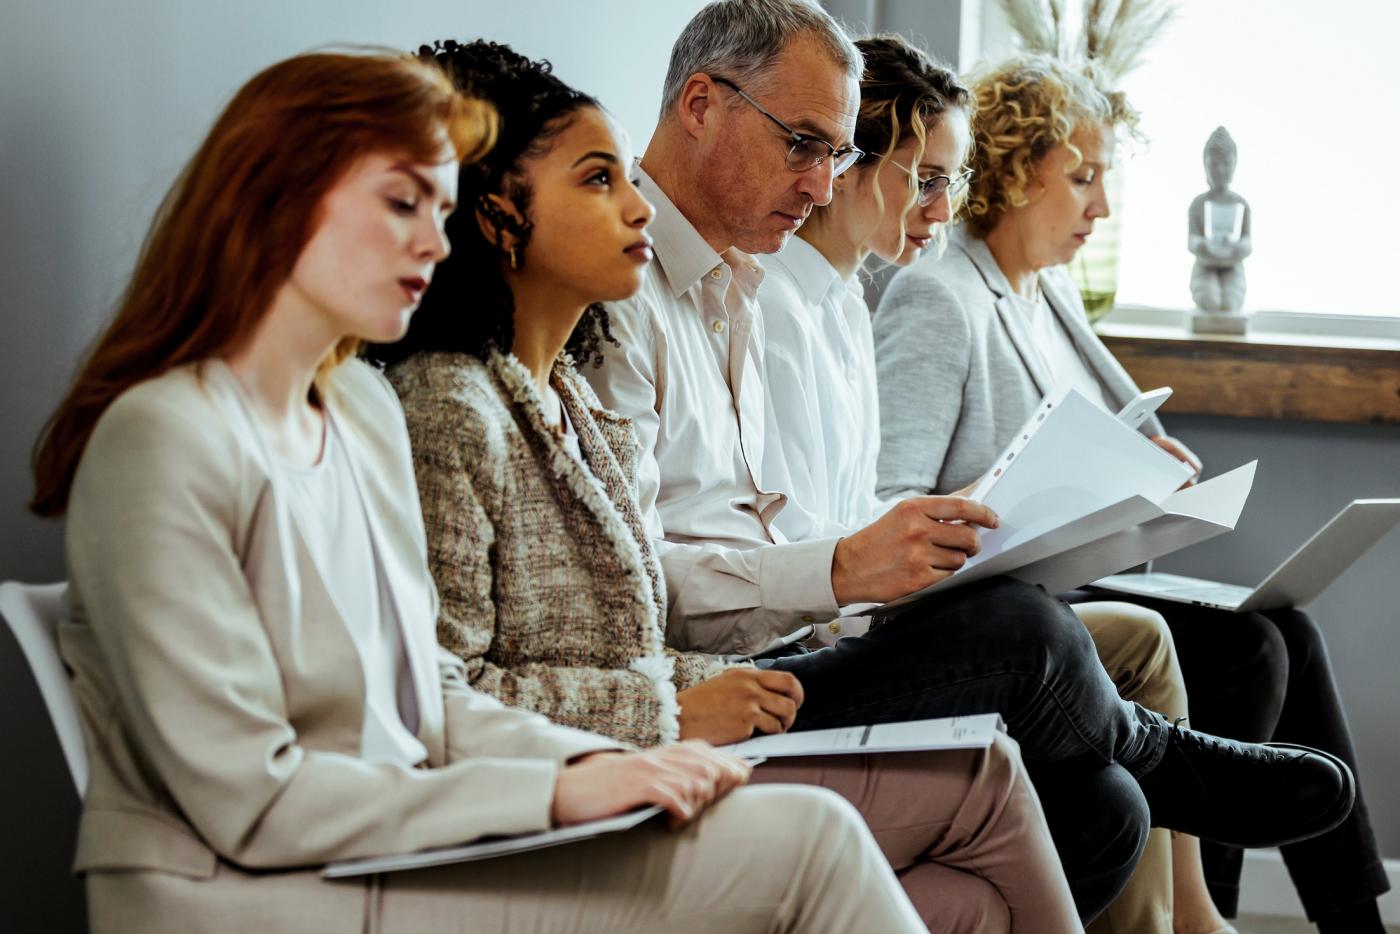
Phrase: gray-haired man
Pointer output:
(758, 114)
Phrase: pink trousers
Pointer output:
(963, 830)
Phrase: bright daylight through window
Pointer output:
(1310, 91)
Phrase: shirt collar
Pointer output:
(814, 275)
(682, 254)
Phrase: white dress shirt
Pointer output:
(689, 373)
(824, 415)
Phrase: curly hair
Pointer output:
(1025, 107)
(903, 91)
(469, 308)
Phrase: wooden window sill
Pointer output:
(1263, 375)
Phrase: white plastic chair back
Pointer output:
(33, 612)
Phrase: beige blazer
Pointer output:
(220, 693)
(551, 590)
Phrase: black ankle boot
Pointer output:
(1246, 794)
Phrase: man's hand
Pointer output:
(1182, 453)
(728, 708)
(683, 779)
(918, 542)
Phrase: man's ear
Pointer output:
(698, 103)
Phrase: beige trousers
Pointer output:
(1137, 651)
(964, 830)
(773, 858)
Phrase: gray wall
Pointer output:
(1307, 472)
(933, 24)
(100, 104)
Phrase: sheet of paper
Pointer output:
(1212, 509)
(1072, 460)
(1220, 499)
(1104, 522)
(488, 848)
(970, 732)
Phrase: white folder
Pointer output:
(1081, 495)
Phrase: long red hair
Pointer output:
(228, 233)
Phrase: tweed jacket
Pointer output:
(957, 372)
(551, 589)
(220, 693)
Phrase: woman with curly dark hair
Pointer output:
(550, 585)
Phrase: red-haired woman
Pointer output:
(252, 633)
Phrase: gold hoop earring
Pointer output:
(513, 257)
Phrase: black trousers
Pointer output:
(1266, 677)
(1004, 646)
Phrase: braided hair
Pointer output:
(469, 308)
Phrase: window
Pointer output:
(1310, 92)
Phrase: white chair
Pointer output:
(33, 612)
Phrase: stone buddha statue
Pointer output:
(1218, 232)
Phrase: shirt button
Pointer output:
(716, 273)
(719, 327)
(809, 618)
(834, 628)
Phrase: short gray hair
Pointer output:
(741, 40)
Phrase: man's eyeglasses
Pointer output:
(804, 150)
(930, 189)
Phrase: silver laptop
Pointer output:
(1308, 572)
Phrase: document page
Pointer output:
(970, 732)
(1071, 459)
(1109, 540)
(1189, 517)
(488, 848)
(1220, 499)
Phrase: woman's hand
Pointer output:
(1182, 453)
(683, 779)
(729, 707)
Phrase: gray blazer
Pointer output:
(957, 372)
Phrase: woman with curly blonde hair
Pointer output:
(965, 348)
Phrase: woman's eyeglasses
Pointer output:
(804, 150)
(930, 189)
